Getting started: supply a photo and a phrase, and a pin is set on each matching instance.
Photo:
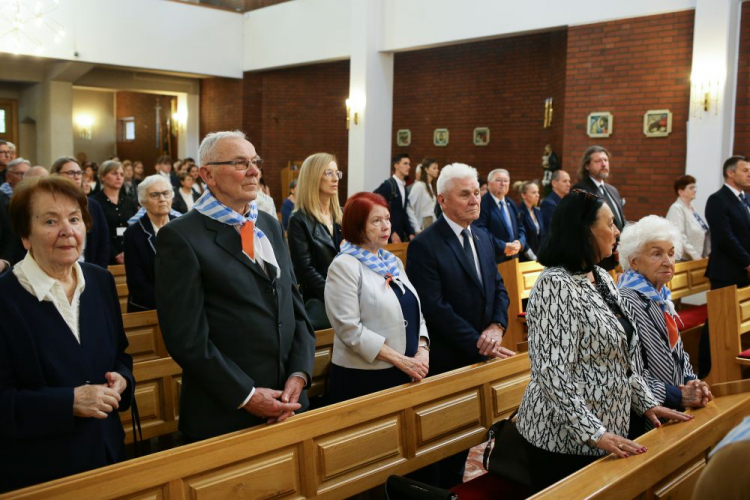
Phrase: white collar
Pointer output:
(736, 192)
(497, 200)
(41, 282)
(597, 182)
(456, 228)
(401, 182)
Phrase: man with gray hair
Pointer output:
(16, 170)
(227, 301)
(499, 216)
(465, 304)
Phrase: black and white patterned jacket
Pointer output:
(584, 375)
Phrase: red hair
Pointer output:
(356, 212)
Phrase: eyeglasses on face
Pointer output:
(334, 173)
(155, 195)
(73, 174)
(241, 165)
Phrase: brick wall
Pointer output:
(292, 113)
(220, 107)
(627, 67)
(500, 84)
(142, 107)
(742, 110)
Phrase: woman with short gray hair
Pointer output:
(118, 207)
(648, 250)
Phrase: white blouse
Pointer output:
(695, 240)
(421, 205)
(188, 198)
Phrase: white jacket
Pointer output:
(420, 205)
(695, 241)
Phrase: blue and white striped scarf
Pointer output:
(636, 281)
(5, 188)
(383, 263)
(142, 211)
(212, 208)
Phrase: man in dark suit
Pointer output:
(560, 182)
(592, 175)
(499, 216)
(228, 303)
(393, 190)
(464, 302)
(163, 167)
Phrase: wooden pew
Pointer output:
(333, 452)
(728, 320)
(519, 279)
(689, 279)
(675, 458)
(399, 250)
(118, 272)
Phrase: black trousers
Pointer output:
(548, 467)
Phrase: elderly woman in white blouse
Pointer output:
(694, 228)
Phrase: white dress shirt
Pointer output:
(43, 287)
(401, 189)
(737, 194)
(457, 231)
(188, 198)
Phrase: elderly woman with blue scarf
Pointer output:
(380, 338)
(648, 250)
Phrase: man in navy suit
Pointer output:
(464, 302)
(499, 216)
(393, 190)
(560, 182)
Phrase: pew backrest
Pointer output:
(399, 250)
(689, 278)
(728, 321)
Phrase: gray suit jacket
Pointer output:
(226, 323)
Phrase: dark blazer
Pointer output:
(116, 216)
(11, 247)
(179, 204)
(548, 207)
(588, 185)
(400, 223)
(533, 240)
(312, 249)
(730, 239)
(140, 257)
(97, 240)
(40, 365)
(491, 219)
(456, 307)
(226, 323)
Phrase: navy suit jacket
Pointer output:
(548, 207)
(491, 219)
(140, 263)
(399, 218)
(456, 306)
(40, 365)
(97, 240)
(533, 240)
(730, 238)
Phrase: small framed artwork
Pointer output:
(481, 136)
(403, 137)
(657, 123)
(441, 137)
(600, 124)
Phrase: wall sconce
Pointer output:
(705, 85)
(85, 125)
(354, 106)
(179, 120)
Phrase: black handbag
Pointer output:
(509, 458)
(403, 488)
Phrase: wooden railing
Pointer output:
(333, 452)
(675, 458)
(728, 321)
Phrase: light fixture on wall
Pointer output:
(85, 123)
(26, 24)
(705, 86)
(179, 120)
(354, 107)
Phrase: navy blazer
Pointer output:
(140, 258)
(399, 218)
(455, 305)
(730, 238)
(40, 365)
(548, 207)
(97, 240)
(491, 219)
(533, 240)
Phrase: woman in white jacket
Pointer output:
(695, 232)
(423, 196)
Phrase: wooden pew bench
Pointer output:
(333, 452)
(121, 283)
(728, 321)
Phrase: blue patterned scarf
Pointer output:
(5, 188)
(636, 281)
(142, 211)
(212, 208)
(384, 263)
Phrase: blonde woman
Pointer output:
(314, 232)
(423, 196)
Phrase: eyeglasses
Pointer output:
(6, 153)
(241, 165)
(334, 173)
(73, 174)
(155, 195)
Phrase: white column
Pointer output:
(188, 105)
(55, 122)
(710, 134)
(371, 97)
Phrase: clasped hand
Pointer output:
(98, 400)
(274, 405)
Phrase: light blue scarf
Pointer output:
(212, 208)
(5, 188)
(383, 263)
(142, 211)
(636, 281)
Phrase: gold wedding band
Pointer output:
(620, 446)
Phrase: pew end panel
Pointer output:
(729, 320)
(519, 279)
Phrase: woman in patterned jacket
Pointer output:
(584, 364)
(648, 250)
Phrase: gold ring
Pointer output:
(493, 341)
(620, 446)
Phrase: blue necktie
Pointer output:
(745, 201)
(506, 217)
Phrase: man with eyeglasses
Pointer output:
(6, 155)
(14, 174)
(499, 216)
(227, 301)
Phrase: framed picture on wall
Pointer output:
(403, 137)
(481, 136)
(441, 137)
(600, 124)
(657, 123)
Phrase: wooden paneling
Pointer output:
(399, 250)
(681, 483)
(728, 320)
(447, 416)
(689, 278)
(505, 391)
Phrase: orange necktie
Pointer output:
(674, 334)
(248, 237)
